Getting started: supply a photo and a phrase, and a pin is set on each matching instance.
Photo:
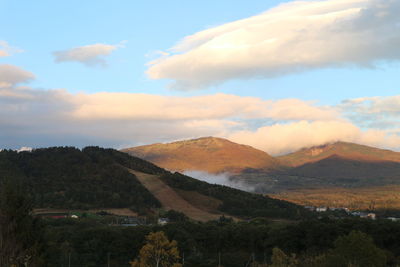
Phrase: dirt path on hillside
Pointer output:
(170, 199)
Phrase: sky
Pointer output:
(277, 75)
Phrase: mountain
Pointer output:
(338, 164)
(210, 154)
(343, 150)
(323, 170)
(97, 178)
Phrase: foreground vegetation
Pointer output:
(89, 242)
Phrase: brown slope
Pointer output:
(170, 199)
(343, 150)
(211, 154)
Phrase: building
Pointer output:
(321, 209)
(163, 221)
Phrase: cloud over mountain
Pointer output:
(282, 138)
(293, 37)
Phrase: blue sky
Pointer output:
(142, 28)
(41, 27)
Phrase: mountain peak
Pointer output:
(341, 149)
(203, 141)
(211, 154)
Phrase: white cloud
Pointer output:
(218, 106)
(283, 138)
(292, 37)
(7, 50)
(389, 105)
(90, 55)
(11, 75)
(373, 112)
(57, 117)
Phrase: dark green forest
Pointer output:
(67, 177)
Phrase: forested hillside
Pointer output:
(66, 177)
(237, 202)
(69, 178)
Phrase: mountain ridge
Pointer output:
(219, 155)
(340, 164)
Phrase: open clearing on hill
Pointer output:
(170, 199)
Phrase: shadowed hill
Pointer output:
(210, 154)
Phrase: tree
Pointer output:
(280, 259)
(18, 229)
(158, 252)
(356, 249)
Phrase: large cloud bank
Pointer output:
(293, 37)
(37, 118)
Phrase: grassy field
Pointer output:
(373, 198)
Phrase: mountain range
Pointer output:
(339, 164)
